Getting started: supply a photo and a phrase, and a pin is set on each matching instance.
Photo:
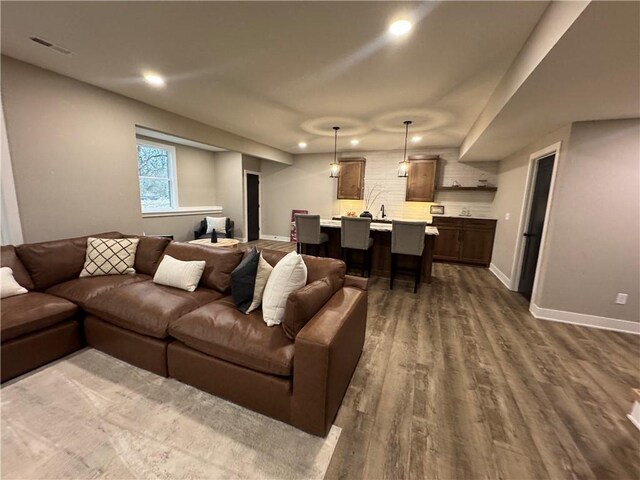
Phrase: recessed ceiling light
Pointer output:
(416, 138)
(400, 27)
(302, 144)
(355, 142)
(153, 79)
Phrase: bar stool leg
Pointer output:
(345, 258)
(418, 275)
(392, 271)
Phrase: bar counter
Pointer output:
(381, 250)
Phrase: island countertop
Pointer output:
(375, 226)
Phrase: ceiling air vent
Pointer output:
(48, 44)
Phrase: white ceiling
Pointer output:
(284, 72)
(592, 73)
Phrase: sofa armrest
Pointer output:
(327, 351)
(202, 230)
(356, 282)
(229, 227)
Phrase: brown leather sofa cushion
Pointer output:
(9, 258)
(81, 290)
(50, 263)
(220, 262)
(220, 330)
(31, 312)
(146, 307)
(304, 303)
(148, 254)
(317, 267)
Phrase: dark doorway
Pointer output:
(533, 232)
(253, 207)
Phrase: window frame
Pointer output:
(172, 178)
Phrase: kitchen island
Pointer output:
(381, 250)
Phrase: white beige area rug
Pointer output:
(93, 416)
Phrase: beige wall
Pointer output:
(591, 251)
(229, 184)
(510, 197)
(305, 185)
(196, 177)
(593, 237)
(74, 153)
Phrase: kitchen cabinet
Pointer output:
(421, 182)
(465, 240)
(351, 179)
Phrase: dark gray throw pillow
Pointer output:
(243, 280)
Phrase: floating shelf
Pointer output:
(468, 189)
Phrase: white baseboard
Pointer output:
(274, 237)
(500, 276)
(583, 319)
(241, 239)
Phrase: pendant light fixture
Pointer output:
(403, 166)
(334, 168)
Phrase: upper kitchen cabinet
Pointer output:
(351, 179)
(421, 182)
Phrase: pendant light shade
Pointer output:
(334, 168)
(403, 166)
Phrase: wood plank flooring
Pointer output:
(461, 382)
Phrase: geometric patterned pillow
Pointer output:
(107, 256)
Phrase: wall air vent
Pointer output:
(48, 44)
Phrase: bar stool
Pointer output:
(308, 233)
(354, 235)
(407, 238)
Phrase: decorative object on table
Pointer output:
(292, 234)
(403, 166)
(436, 209)
(334, 168)
(455, 183)
(465, 212)
(371, 194)
(352, 213)
(214, 236)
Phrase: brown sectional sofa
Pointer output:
(298, 376)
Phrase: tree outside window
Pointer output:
(156, 172)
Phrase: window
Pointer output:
(156, 171)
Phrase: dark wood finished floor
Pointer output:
(461, 382)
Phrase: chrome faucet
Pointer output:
(382, 210)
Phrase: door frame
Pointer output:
(244, 204)
(525, 215)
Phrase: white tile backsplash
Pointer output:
(382, 171)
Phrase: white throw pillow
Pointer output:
(217, 223)
(287, 276)
(8, 285)
(179, 274)
(263, 274)
(109, 256)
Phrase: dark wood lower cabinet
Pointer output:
(465, 240)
